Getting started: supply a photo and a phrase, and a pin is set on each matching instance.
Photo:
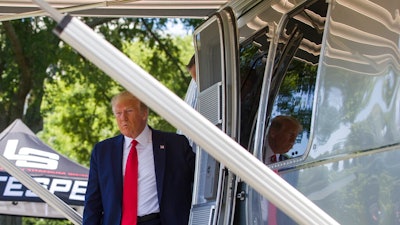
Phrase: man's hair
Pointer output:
(126, 95)
(278, 122)
(191, 62)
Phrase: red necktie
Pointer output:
(272, 214)
(130, 191)
(273, 159)
(272, 210)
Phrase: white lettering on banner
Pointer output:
(60, 185)
(77, 189)
(41, 180)
(13, 187)
(30, 157)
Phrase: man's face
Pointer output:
(131, 119)
(283, 139)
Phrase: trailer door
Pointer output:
(217, 68)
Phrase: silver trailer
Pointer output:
(332, 64)
(335, 66)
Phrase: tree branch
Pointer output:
(25, 81)
(163, 47)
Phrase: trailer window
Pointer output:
(292, 83)
(289, 90)
(291, 94)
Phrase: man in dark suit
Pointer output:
(165, 171)
(281, 137)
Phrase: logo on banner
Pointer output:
(30, 157)
(39, 161)
(73, 190)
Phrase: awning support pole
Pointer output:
(40, 191)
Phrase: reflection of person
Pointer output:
(166, 171)
(281, 136)
(192, 91)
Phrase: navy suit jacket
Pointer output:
(174, 168)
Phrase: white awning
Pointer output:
(17, 9)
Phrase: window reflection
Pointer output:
(295, 98)
(291, 93)
(295, 95)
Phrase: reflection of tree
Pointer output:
(251, 76)
(364, 198)
(360, 104)
(296, 93)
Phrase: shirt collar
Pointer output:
(142, 138)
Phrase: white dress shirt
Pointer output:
(268, 154)
(191, 99)
(147, 190)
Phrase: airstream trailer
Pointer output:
(334, 65)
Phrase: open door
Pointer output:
(217, 68)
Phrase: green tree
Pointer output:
(56, 91)
(80, 114)
(27, 50)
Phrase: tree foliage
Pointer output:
(27, 50)
(63, 96)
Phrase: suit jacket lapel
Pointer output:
(159, 151)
